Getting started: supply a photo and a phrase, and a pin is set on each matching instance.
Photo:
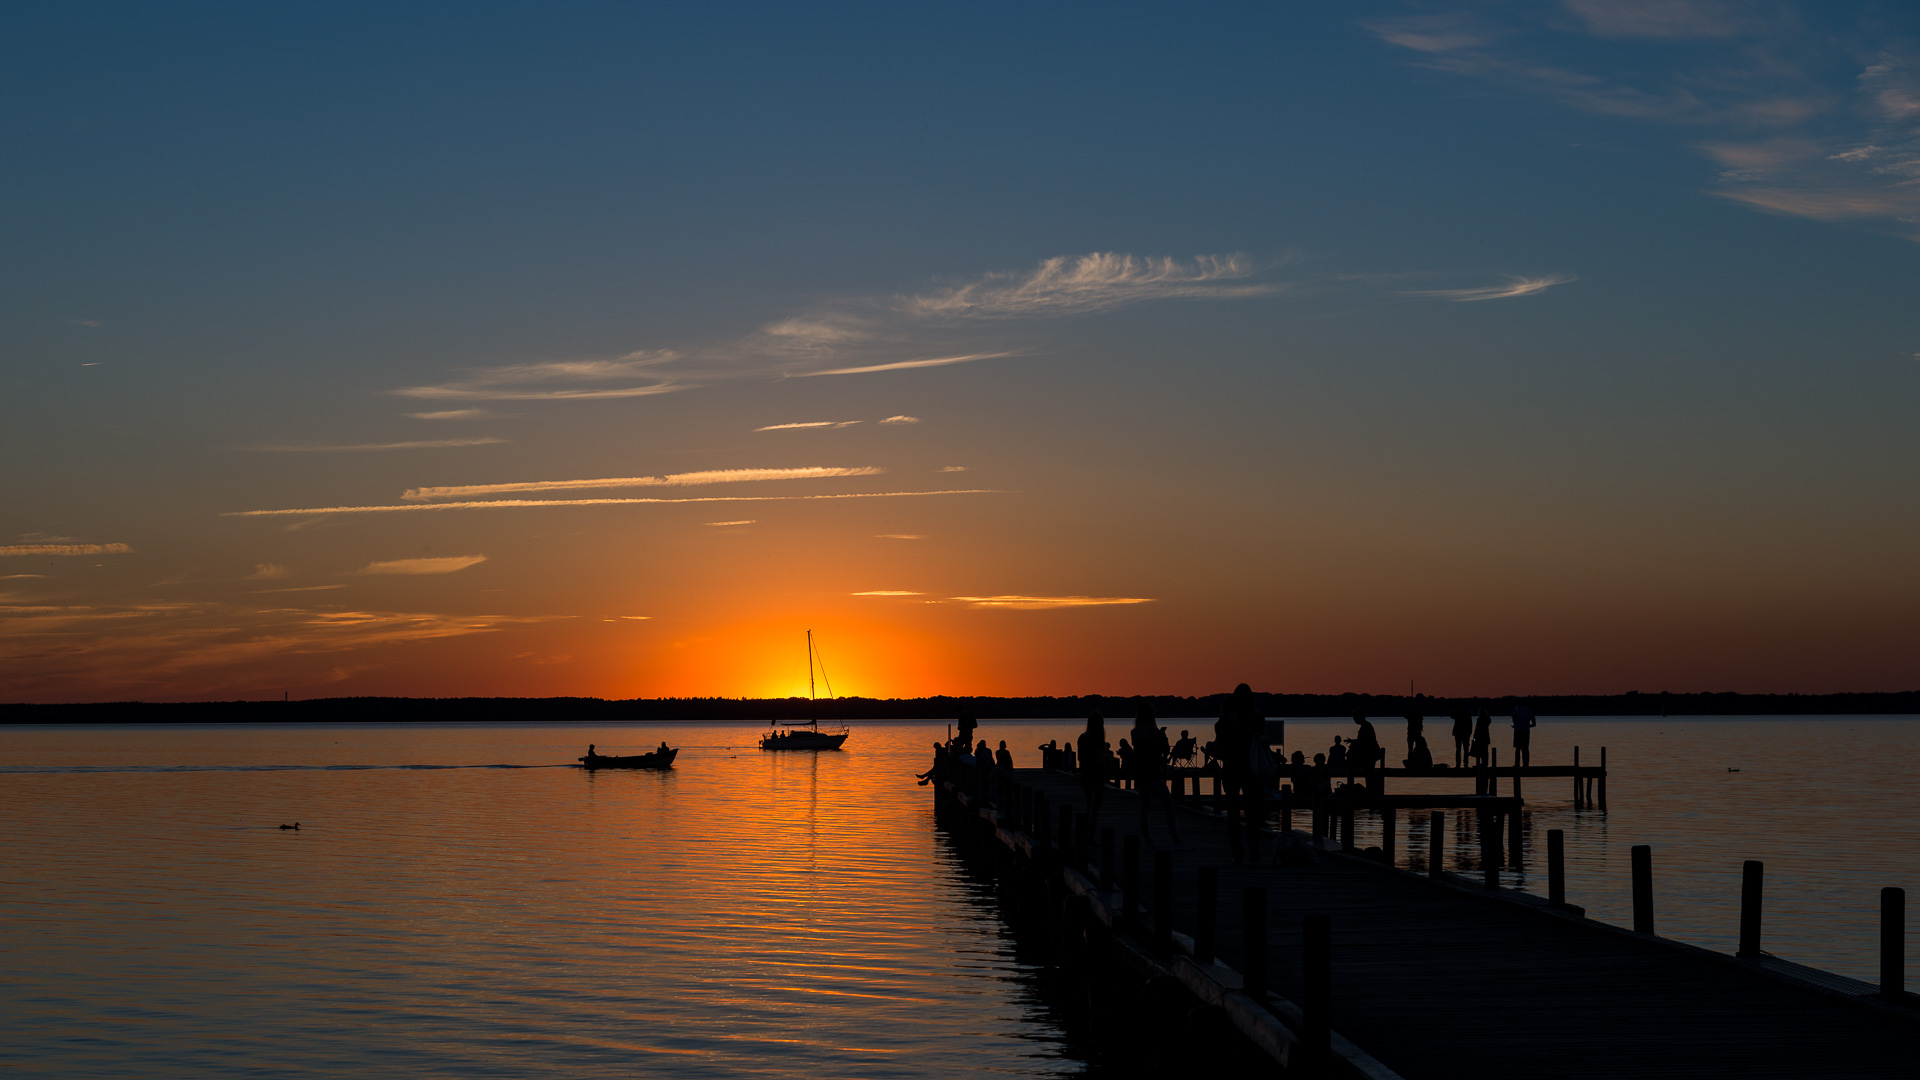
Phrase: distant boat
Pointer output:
(806, 734)
(656, 759)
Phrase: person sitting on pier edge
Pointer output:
(1239, 724)
(1363, 750)
(1337, 756)
(1482, 738)
(1150, 752)
(1523, 725)
(1462, 735)
(1419, 757)
(1004, 757)
(926, 778)
(1093, 767)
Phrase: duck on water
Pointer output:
(806, 734)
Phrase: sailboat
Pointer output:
(806, 734)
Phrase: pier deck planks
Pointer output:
(1440, 984)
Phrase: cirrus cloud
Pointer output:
(414, 567)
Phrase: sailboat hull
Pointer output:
(803, 740)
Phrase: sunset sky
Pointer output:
(590, 350)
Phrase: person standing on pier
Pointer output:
(1092, 745)
(1462, 735)
(1363, 750)
(1482, 738)
(1150, 754)
(1240, 723)
(1416, 728)
(1523, 725)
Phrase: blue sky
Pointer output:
(1504, 346)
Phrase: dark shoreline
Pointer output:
(640, 710)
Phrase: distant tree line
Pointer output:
(566, 710)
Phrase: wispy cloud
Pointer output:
(888, 592)
(637, 618)
(686, 479)
(559, 380)
(451, 414)
(901, 420)
(356, 448)
(951, 468)
(17, 577)
(66, 549)
(413, 567)
(1791, 134)
(1037, 603)
(267, 571)
(1514, 286)
(502, 504)
(907, 365)
(808, 424)
(1065, 285)
(298, 588)
(743, 521)
(900, 536)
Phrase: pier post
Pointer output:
(1066, 834)
(1642, 889)
(1515, 829)
(1493, 778)
(1893, 943)
(1130, 880)
(1316, 1003)
(1346, 827)
(1163, 903)
(1286, 812)
(1082, 842)
(1387, 822)
(1042, 824)
(1319, 819)
(1576, 778)
(1750, 872)
(1603, 780)
(1106, 859)
(1253, 939)
(1489, 850)
(1206, 920)
(1436, 843)
(1556, 867)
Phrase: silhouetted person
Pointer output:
(1150, 753)
(1319, 777)
(663, 747)
(1416, 728)
(1419, 757)
(1183, 749)
(1126, 758)
(1234, 734)
(590, 752)
(1093, 766)
(1482, 738)
(966, 724)
(1363, 749)
(1337, 755)
(926, 778)
(1462, 736)
(1523, 725)
(1004, 758)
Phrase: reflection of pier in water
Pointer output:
(1337, 963)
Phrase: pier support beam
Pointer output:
(1253, 939)
(1316, 1003)
(1893, 943)
(1750, 873)
(1556, 867)
(1642, 889)
(1436, 843)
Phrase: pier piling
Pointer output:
(1206, 918)
(1388, 820)
(1253, 940)
(1557, 867)
(1436, 843)
(1893, 943)
(1642, 889)
(1163, 903)
(1130, 880)
(1316, 1000)
(1106, 859)
(1750, 873)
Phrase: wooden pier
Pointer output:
(1337, 964)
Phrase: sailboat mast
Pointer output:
(810, 702)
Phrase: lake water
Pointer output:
(451, 907)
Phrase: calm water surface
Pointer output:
(440, 913)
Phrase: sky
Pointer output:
(1475, 348)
